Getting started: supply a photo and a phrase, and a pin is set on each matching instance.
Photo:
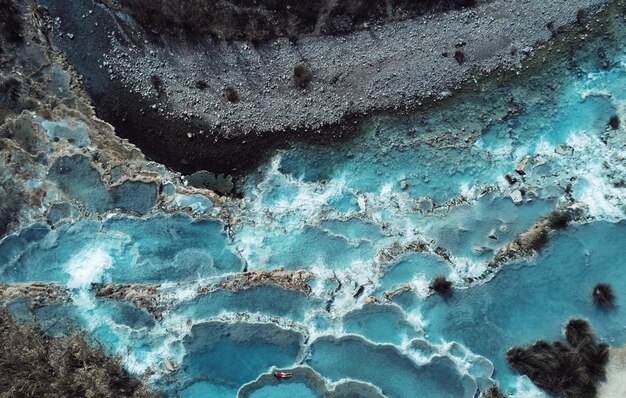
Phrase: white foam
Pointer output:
(597, 193)
(544, 148)
(300, 201)
(524, 388)
(88, 267)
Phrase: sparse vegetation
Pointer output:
(11, 20)
(231, 94)
(566, 370)
(33, 364)
(603, 295)
(441, 285)
(614, 122)
(302, 75)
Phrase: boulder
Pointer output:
(521, 166)
(517, 197)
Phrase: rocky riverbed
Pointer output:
(169, 98)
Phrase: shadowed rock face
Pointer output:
(10, 203)
(257, 21)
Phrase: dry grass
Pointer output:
(33, 364)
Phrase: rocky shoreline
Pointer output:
(151, 94)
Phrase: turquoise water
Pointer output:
(375, 219)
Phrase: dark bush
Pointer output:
(614, 122)
(231, 94)
(558, 220)
(578, 332)
(603, 295)
(302, 76)
(201, 85)
(11, 20)
(441, 285)
(156, 82)
(459, 55)
(566, 370)
(33, 364)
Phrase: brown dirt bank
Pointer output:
(169, 98)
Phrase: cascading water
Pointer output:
(374, 220)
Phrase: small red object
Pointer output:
(282, 375)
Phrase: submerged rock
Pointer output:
(358, 291)
(40, 294)
(141, 295)
(520, 168)
(286, 279)
(564, 149)
(536, 237)
(517, 197)
(510, 178)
